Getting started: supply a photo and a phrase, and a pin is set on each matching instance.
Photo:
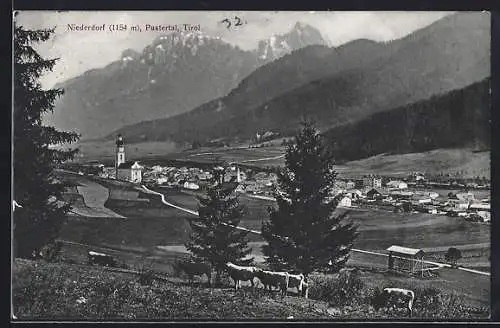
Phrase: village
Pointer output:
(416, 193)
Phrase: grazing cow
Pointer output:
(274, 279)
(100, 258)
(194, 269)
(241, 273)
(298, 281)
(395, 295)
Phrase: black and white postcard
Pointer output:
(251, 165)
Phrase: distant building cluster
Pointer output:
(371, 191)
(400, 195)
(195, 178)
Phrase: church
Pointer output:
(126, 170)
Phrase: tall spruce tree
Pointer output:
(214, 237)
(38, 221)
(304, 233)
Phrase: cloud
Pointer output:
(84, 50)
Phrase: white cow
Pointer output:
(393, 295)
(298, 281)
(241, 273)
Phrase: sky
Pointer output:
(80, 51)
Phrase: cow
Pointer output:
(298, 281)
(241, 273)
(274, 279)
(395, 295)
(192, 269)
(100, 258)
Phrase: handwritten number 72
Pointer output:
(237, 22)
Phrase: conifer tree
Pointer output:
(214, 237)
(38, 220)
(304, 233)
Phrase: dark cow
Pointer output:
(273, 279)
(101, 258)
(394, 296)
(192, 268)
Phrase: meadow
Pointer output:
(63, 291)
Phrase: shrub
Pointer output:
(345, 289)
(452, 256)
(146, 275)
(51, 251)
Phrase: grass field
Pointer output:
(62, 291)
(379, 229)
(45, 291)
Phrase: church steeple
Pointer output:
(120, 153)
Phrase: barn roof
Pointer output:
(373, 191)
(404, 250)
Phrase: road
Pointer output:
(445, 265)
(195, 213)
(262, 159)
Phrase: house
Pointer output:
(461, 205)
(346, 201)
(432, 210)
(433, 195)
(335, 191)
(465, 197)
(350, 184)
(419, 177)
(240, 188)
(130, 171)
(204, 176)
(358, 183)
(354, 193)
(422, 200)
(485, 215)
(372, 181)
(373, 194)
(396, 184)
(190, 185)
(401, 194)
(161, 180)
(480, 207)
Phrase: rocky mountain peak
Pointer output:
(276, 46)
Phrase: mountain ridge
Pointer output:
(448, 54)
(173, 74)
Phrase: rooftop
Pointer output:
(404, 250)
(129, 164)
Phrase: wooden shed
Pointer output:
(404, 259)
